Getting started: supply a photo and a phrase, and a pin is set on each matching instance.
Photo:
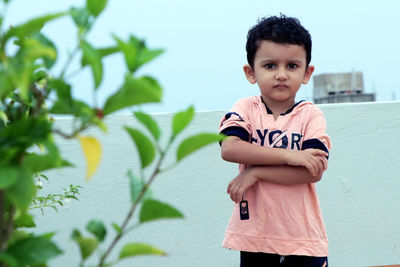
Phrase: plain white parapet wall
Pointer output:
(359, 193)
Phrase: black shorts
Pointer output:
(252, 259)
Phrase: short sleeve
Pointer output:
(315, 133)
(236, 121)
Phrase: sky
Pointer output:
(205, 44)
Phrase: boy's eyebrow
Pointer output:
(294, 60)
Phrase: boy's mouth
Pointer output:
(280, 86)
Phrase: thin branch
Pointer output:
(73, 73)
(124, 228)
(131, 228)
(170, 167)
(131, 212)
(66, 136)
(68, 62)
(10, 223)
(72, 135)
(2, 221)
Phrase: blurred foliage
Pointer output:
(30, 92)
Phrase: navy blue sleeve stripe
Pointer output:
(237, 131)
(314, 143)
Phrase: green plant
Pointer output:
(53, 200)
(30, 92)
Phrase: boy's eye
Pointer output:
(292, 66)
(269, 66)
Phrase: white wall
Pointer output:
(359, 193)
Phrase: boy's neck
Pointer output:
(276, 107)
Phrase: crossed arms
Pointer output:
(280, 166)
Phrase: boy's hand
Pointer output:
(313, 159)
(238, 186)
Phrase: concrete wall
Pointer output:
(345, 98)
(359, 193)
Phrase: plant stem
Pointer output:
(2, 222)
(10, 224)
(6, 226)
(131, 211)
(74, 134)
(68, 62)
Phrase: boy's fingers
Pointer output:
(321, 166)
(230, 186)
(238, 195)
(232, 192)
(310, 168)
(319, 152)
(325, 163)
(235, 195)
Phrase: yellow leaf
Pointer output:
(92, 149)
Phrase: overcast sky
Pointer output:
(205, 40)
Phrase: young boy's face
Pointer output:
(279, 70)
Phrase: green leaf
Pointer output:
(40, 75)
(82, 18)
(149, 123)
(7, 86)
(136, 53)
(92, 56)
(130, 51)
(32, 26)
(65, 104)
(136, 186)
(108, 51)
(181, 120)
(97, 228)
(95, 7)
(155, 210)
(8, 176)
(9, 260)
(76, 234)
(49, 60)
(38, 47)
(116, 228)
(144, 146)
(25, 132)
(134, 91)
(33, 250)
(147, 55)
(87, 246)
(195, 142)
(52, 159)
(139, 249)
(22, 191)
(103, 52)
(24, 220)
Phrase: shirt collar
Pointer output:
(269, 111)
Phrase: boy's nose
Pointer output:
(281, 75)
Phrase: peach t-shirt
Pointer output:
(284, 219)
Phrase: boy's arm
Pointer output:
(234, 149)
(279, 174)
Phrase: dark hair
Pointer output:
(281, 30)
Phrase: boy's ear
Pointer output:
(249, 72)
(308, 73)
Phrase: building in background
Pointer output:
(340, 88)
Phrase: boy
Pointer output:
(277, 219)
